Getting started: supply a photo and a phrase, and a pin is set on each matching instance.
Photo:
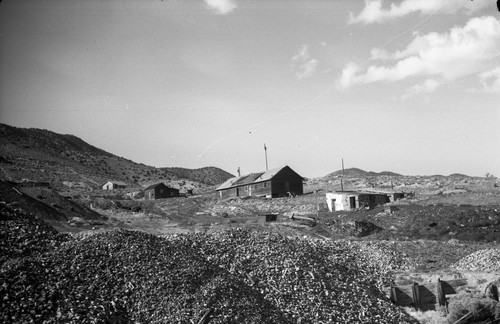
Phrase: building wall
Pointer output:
(338, 202)
(108, 186)
(258, 189)
(111, 186)
(396, 196)
(286, 181)
(160, 192)
(350, 201)
(372, 200)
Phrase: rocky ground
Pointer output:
(210, 254)
(242, 276)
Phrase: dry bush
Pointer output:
(428, 317)
(461, 304)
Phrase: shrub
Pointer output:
(461, 304)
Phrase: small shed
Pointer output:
(160, 190)
(112, 185)
(349, 200)
(271, 217)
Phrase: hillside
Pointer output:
(357, 173)
(66, 161)
(207, 175)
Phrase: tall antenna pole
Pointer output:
(265, 151)
(342, 179)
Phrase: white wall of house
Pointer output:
(336, 201)
(108, 186)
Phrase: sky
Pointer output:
(409, 86)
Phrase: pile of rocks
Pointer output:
(22, 234)
(243, 276)
(310, 281)
(486, 260)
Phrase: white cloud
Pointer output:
(427, 86)
(221, 7)
(490, 81)
(306, 66)
(462, 51)
(374, 13)
(307, 69)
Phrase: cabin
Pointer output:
(113, 185)
(279, 182)
(159, 191)
(349, 200)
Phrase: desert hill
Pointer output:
(358, 173)
(68, 161)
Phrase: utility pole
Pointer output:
(343, 175)
(265, 152)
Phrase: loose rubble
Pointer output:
(486, 260)
(243, 276)
(22, 234)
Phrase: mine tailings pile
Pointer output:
(234, 276)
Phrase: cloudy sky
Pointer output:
(408, 86)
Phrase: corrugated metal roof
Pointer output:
(247, 179)
(250, 178)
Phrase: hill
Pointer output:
(207, 175)
(66, 161)
(358, 173)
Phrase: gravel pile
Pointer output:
(487, 260)
(243, 276)
(310, 281)
(22, 235)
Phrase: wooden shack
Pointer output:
(279, 182)
(113, 185)
(159, 191)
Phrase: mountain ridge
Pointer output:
(67, 160)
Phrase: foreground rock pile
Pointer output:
(243, 276)
(486, 260)
(22, 234)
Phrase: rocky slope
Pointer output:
(67, 161)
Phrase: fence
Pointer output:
(425, 296)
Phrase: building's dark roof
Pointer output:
(250, 178)
(247, 179)
(356, 192)
(158, 184)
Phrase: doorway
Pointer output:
(352, 202)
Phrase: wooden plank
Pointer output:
(402, 298)
(206, 316)
(440, 293)
(449, 287)
(425, 296)
(416, 296)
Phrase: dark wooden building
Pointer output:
(160, 190)
(280, 182)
